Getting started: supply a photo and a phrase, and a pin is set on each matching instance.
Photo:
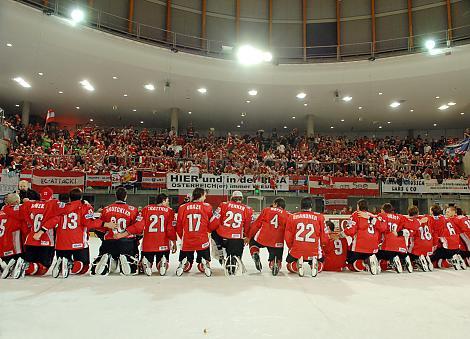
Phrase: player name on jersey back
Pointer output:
(305, 216)
(118, 210)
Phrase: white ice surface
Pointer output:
(333, 305)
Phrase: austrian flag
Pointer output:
(50, 117)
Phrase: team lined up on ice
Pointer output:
(31, 233)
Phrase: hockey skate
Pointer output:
(396, 264)
(430, 264)
(275, 268)
(56, 270)
(467, 259)
(163, 266)
(206, 267)
(240, 268)
(8, 270)
(20, 268)
(229, 266)
(102, 267)
(422, 263)
(3, 265)
(128, 264)
(314, 267)
(66, 266)
(300, 266)
(372, 264)
(257, 261)
(408, 264)
(455, 262)
(182, 265)
(463, 266)
(146, 266)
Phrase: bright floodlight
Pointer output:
(301, 95)
(202, 90)
(77, 15)
(249, 55)
(451, 103)
(395, 104)
(252, 92)
(22, 82)
(347, 98)
(86, 85)
(149, 87)
(443, 107)
(430, 44)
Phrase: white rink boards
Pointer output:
(333, 305)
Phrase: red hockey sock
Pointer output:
(357, 266)
(187, 267)
(32, 269)
(253, 250)
(292, 267)
(79, 268)
(320, 266)
(384, 265)
(42, 269)
(201, 268)
(160, 265)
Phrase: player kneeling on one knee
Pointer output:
(11, 227)
(231, 222)
(118, 254)
(193, 227)
(268, 231)
(365, 229)
(72, 224)
(335, 249)
(157, 224)
(305, 231)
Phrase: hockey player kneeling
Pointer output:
(157, 224)
(193, 228)
(122, 254)
(231, 222)
(305, 231)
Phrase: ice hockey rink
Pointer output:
(257, 305)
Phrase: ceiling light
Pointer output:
(134, 110)
(150, 87)
(17, 105)
(86, 85)
(412, 110)
(78, 107)
(430, 44)
(125, 95)
(389, 122)
(347, 98)
(285, 126)
(301, 95)
(238, 126)
(332, 127)
(380, 126)
(141, 122)
(360, 107)
(252, 92)
(462, 113)
(305, 105)
(243, 114)
(190, 112)
(249, 55)
(451, 103)
(41, 73)
(437, 97)
(77, 15)
(435, 125)
(380, 93)
(22, 82)
(60, 92)
(395, 104)
(342, 120)
(91, 120)
(443, 107)
(248, 101)
(9, 45)
(293, 117)
(115, 77)
(202, 90)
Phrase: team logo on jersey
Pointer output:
(90, 216)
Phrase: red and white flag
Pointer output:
(59, 181)
(98, 180)
(153, 180)
(50, 117)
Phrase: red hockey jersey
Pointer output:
(35, 212)
(193, 225)
(445, 232)
(232, 220)
(11, 227)
(73, 224)
(365, 232)
(120, 213)
(335, 252)
(305, 231)
(269, 228)
(392, 223)
(421, 242)
(157, 223)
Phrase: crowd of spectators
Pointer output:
(98, 150)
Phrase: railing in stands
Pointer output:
(120, 26)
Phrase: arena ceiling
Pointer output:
(66, 55)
